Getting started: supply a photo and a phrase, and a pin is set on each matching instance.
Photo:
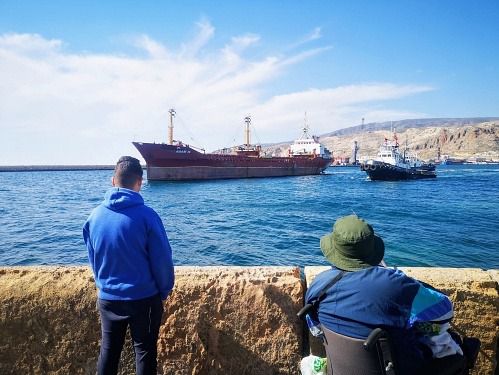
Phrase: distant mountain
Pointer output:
(456, 137)
(411, 123)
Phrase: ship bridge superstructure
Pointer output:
(389, 152)
(308, 145)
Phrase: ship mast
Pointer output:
(170, 127)
(305, 128)
(247, 120)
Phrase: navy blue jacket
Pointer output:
(128, 248)
(381, 297)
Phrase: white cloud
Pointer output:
(59, 107)
(304, 55)
(203, 36)
(315, 34)
(240, 43)
(332, 109)
(155, 49)
(28, 43)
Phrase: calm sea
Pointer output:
(450, 221)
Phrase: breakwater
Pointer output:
(52, 168)
(218, 320)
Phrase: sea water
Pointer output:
(450, 221)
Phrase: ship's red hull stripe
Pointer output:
(171, 162)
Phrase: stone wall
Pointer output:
(218, 320)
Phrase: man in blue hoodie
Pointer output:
(131, 259)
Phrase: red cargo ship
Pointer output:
(178, 161)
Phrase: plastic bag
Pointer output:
(313, 365)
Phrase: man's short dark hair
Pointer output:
(127, 171)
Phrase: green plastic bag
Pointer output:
(313, 365)
(320, 365)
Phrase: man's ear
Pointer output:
(113, 182)
(138, 185)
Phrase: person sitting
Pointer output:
(369, 295)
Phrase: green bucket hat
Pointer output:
(352, 245)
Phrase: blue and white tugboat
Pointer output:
(391, 164)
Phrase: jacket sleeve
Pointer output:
(314, 290)
(431, 313)
(312, 318)
(88, 244)
(160, 257)
(430, 307)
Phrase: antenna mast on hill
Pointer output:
(170, 127)
(355, 150)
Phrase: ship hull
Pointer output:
(176, 163)
(379, 171)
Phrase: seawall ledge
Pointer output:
(218, 319)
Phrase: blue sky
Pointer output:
(79, 80)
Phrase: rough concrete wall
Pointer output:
(48, 321)
(218, 320)
(233, 320)
(474, 293)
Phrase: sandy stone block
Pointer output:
(218, 320)
(312, 271)
(48, 321)
(232, 320)
(474, 294)
(495, 275)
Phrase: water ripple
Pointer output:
(450, 221)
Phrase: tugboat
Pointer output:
(391, 164)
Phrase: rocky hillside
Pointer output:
(458, 138)
(402, 125)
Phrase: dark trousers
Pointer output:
(456, 364)
(144, 318)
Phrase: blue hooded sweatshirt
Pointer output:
(128, 248)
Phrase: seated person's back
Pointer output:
(369, 295)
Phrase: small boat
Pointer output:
(446, 160)
(178, 161)
(391, 164)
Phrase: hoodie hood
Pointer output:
(118, 199)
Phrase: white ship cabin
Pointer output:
(248, 150)
(389, 152)
(308, 146)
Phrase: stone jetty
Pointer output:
(52, 168)
(218, 320)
